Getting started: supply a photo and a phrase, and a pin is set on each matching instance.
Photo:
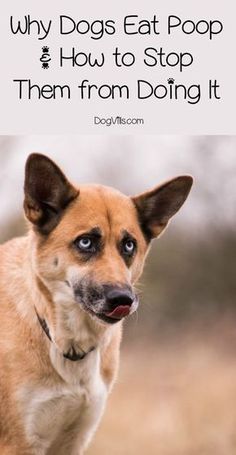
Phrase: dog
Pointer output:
(65, 289)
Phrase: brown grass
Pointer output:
(176, 398)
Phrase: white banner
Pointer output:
(156, 67)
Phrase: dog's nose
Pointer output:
(117, 296)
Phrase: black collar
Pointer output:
(44, 325)
(71, 354)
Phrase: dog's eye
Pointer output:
(84, 244)
(129, 246)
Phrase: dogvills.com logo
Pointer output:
(117, 121)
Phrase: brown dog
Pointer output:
(64, 290)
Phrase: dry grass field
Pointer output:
(175, 398)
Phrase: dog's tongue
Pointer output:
(119, 312)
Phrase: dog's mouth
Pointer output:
(109, 304)
(116, 314)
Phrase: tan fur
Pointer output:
(50, 405)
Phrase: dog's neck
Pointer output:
(71, 355)
(73, 332)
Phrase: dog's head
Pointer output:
(91, 241)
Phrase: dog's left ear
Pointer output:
(47, 192)
(156, 207)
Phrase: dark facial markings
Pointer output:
(127, 247)
(90, 244)
(101, 298)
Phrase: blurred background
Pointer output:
(176, 391)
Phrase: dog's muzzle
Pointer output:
(119, 302)
(110, 303)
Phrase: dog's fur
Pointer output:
(51, 400)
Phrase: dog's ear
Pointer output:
(157, 206)
(47, 192)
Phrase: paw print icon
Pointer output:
(45, 57)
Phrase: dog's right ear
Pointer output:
(47, 192)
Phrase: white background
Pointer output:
(213, 59)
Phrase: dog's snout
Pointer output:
(117, 296)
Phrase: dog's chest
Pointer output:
(57, 415)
